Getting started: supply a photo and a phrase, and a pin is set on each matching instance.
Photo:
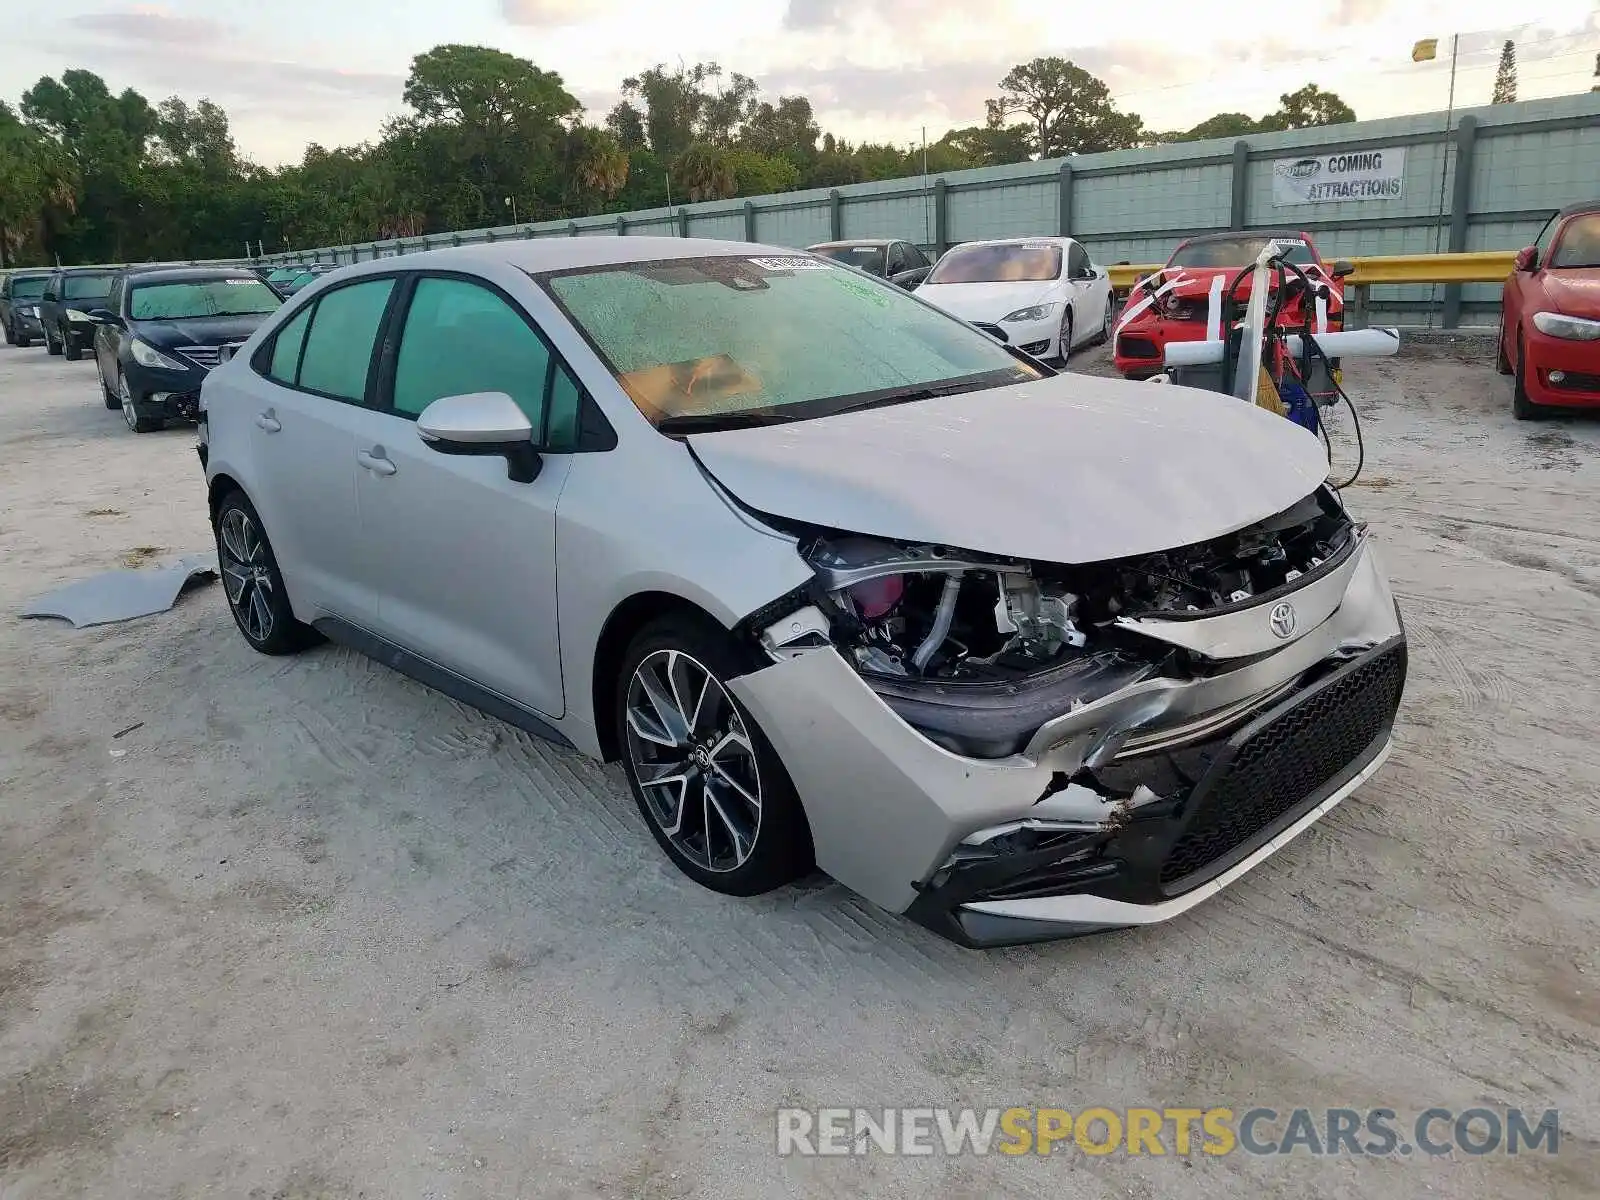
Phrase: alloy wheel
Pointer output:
(125, 394)
(1110, 319)
(694, 761)
(1064, 350)
(245, 574)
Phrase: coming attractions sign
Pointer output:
(1342, 175)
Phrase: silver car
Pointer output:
(841, 581)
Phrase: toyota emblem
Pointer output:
(1282, 619)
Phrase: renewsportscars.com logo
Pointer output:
(1159, 1132)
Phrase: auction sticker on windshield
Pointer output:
(792, 264)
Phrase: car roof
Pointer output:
(179, 274)
(1050, 238)
(843, 242)
(1234, 234)
(537, 255)
(1582, 206)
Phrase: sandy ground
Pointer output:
(312, 931)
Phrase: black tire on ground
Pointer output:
(24, 340)
(51, 346)
(138, 420)
(1110, 321)
(11, 338)
(781, 850)
(106, 394)
(1502, 361)
(1064, 347)
(254, 576)
(71, 349)
(1522, 408)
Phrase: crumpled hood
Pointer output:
(1069, 469)
(984, 301)
(1575, 292)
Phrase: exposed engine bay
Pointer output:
(932, 613)
(977, 652)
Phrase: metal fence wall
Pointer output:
(1504, 169)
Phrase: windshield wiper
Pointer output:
(714, 422)
(923, 391)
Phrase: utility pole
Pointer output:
(1444, 165)
(927, 223)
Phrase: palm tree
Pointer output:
(706, 172)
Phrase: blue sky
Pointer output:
(294, 71)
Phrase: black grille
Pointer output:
(1138, 347)
(993, 331)
(1578, 381)
(1280, 766)
(202, 356)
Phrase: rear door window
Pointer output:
(284, 366)
(338, 351)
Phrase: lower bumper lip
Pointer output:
(1088, 913)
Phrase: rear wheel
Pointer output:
(710, 785)
(1523, 408)
(253, 582)
(1108, 321)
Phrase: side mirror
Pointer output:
(1343, 267)
(1527, 259)
(483, 423)
(103, 316)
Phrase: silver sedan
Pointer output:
(841, 581)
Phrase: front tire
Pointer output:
(1502, 361)
(71, 349)
(1064, 347)
(51, 346)
(112, 400)
(253, 582)
(138, 420)
(11, 337)
(1107, 322)
(1522, 408)
(709, 785)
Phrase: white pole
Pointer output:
(1444, 167)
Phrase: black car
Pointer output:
(900, 262)
(69, 297)
(20, 293)
(162, 330)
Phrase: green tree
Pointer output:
(1069, 111)
(38, 190)
(105, 137)
(1309, 107)
(705, 172)
(757, 174)
(990, 145)
(596, 168)
(1505, 75)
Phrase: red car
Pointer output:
(1550, 316)
(1178, 314)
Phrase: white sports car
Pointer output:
(1041, 295)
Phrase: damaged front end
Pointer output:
(1011, 750)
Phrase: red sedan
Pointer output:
(1550, 316)
(1179, 294)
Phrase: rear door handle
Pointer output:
(268, 421)
(374, 461)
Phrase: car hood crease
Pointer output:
(1070, 469)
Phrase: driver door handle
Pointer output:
(268, 421)
(374, 461)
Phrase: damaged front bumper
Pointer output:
(1125, 811)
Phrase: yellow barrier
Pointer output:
(1487, 266)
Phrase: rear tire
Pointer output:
(1522, 408)
(677, 722)
(253, 583)
(1109, 322)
